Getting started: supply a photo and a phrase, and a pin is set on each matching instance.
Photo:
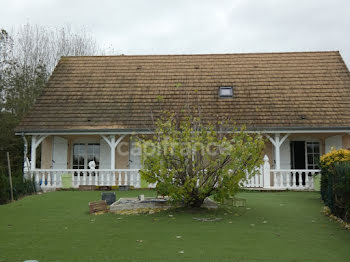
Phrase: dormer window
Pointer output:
(225, 91)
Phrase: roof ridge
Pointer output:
(209, 54)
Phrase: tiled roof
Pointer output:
(271, 90)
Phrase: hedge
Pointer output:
(335, 182)
(341, 191)
(21, 187)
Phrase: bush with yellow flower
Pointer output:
(334, 156)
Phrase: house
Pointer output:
(92, 105)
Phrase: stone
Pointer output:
(109, 197)
(98, 207)
(104, 188)
(141, 197)
(124, 205)
(86, 188)
(149, 205)
(209, 203)
(123, 188)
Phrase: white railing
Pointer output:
(255, 181)
(52, 179)
(293, 179)
(281, 179)
(266, 178)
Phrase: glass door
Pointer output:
(83, 153)
(313, 155)
(93, 154)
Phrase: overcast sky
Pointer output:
(191, 26)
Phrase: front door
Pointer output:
(298, 159)
(298, 154)
(305, 155)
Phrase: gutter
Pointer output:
(150, 131)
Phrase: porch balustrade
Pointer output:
(52, 179)
(265, 178)
(294, 179)
(281, 179)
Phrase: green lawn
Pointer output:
(284, 226)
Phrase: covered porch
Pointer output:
(290, 160)
(54, 157)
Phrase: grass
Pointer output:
(284, 226)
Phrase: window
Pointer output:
(225, 91)
(84, 153)
(312, 154)
(79, 156)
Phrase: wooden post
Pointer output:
(10, 178)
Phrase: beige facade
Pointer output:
(269, 151)
(321, 137)
(346, 141)
(46, 153)
(122, 150)
(122, 154)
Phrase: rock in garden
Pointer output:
(109, 197)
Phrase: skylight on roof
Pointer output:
(225, 91)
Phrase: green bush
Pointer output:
(328, 163)
(340, 187)
(326, 188)
(4, 193)
(21, 187)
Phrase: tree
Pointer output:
(36, 45)
(190, 160)
(21, 86)
(27, 58)
(6, 49)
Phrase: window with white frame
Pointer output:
(225, 92)
(83, 153)
(313, 154)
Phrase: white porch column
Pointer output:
(113, 152)
(112, 144)
(277, 142)
(36, 140)
(33, 154)
(277, 151)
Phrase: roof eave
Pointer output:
(150, 131)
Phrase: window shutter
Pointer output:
(59, 153)
(105, 155)
(333, 142)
